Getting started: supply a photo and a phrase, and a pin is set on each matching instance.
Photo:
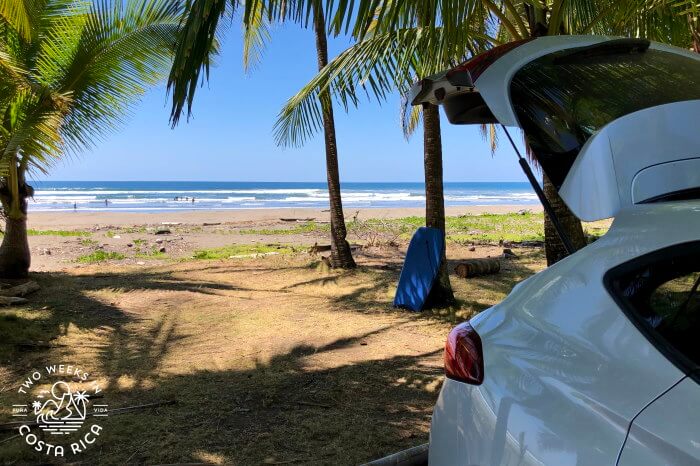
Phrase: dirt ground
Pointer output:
(260, 360)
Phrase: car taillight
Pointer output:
(463, 355)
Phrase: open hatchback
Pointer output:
(594, 360)
(612, 122)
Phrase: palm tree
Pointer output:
(392, 49)
(198, 36)
(357, 64)
(70, 73)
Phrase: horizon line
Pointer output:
(260, 181)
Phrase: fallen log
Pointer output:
(308, 219)
(21, 290)
(10, 300)
(478, 267)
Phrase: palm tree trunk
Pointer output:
(554, 248)
(15, 257)
(441, 294)
(341, 256)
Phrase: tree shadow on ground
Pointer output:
(277, 410)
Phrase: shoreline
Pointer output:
(78, 219)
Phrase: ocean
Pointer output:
(158, 196)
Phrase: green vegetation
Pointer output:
(308, 227)
(88, 242)
(241, 250)
(154, 253)
(32, 232)
(100, 256)
(71, 72)
(483, 228)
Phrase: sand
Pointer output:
(75, 220)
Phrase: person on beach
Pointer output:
(106, 202)
(192, 200)
(75, 206)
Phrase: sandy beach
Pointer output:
(63, 240)
(78, 219)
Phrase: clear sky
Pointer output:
(230, 137)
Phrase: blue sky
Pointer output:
(230, 137)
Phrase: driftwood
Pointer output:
(477, 267)
(309, 219)
(10, 300)
(21, 290)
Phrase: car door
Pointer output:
(667, 432)
(660, 292)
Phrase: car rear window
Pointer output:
(563, 98)
(660, 292)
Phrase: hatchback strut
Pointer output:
(543, 199)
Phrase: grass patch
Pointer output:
(100, 256)
(487, 228)
(32, 232)
(308, 227)
(88, 242)
(240, 250)
(154, 253)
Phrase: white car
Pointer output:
(595, 360)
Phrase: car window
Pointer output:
(660, 292)
(563, 98)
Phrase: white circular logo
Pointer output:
(60, 416)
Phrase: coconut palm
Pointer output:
(70, 71)
(393, 47)
(193, 56)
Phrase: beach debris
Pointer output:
(308, 219)
(508, 253)
(472, 249)
(524, 211)
(163, 231)
(478, 267)
(129, 245)
(159, 241)
(45, 251)
(210, 224)
(21, 290)
(140, 263)
(116, 237)
(162, 249)
(10, 300)
(171, 223)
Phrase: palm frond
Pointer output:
(195, 47)
(375, 67)
(256, 35)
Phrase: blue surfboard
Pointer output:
(420, 268)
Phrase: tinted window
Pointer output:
(561, 99)
(660, 293)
